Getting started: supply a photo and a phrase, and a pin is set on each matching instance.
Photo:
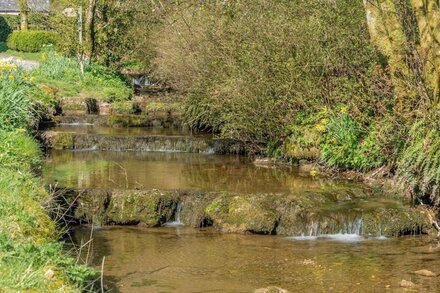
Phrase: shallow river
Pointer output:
(191, 260)
(181, 259)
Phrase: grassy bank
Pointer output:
(31, 257)
(62, 77)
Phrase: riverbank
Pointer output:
(32, 257)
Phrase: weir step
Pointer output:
(231, 212)
(63, 140)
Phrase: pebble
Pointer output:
(406, 284)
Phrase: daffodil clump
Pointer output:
(19, 97)
(10, 72)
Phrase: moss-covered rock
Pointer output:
(151, 208)
(131, 120)
(242, 214)
(91, 206)
(58, 140)
(194, 209)
(310, 214)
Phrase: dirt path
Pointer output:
(26, 64)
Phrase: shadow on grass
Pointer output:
(3, 47)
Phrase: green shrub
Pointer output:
(30, 41)
(247, 80)
(340, 141)
(345, 143)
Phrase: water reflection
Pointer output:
(89, 169)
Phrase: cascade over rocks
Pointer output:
(242, 213)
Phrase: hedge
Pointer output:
(30, 41)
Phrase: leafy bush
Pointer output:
(30, 41)
(10, 23)
(340, 141)
(248, 80)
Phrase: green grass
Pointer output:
(19, 151)
(21, 55)
(31, 257)
(64, 76)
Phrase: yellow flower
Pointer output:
(313, 173)
(21, 130)
(11, 77)
(344, 110)
(26, 78)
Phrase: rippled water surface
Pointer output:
(191, 260)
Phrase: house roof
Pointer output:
(11, 6)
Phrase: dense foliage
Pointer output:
(30, 40)
(248, 80)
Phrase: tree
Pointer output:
(24, 23)
(90, 30)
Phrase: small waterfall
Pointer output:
(177, 222)
(348, 231)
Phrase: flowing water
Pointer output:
(331, 254)
(191, 260)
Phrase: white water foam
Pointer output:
(351, 232)
(177, 222)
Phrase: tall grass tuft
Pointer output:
(419, 164)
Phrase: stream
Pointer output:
(190, 260)
(338, 248)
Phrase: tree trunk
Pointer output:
(90, 30)
(24, 23)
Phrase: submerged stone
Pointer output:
(426, 273)
(407, 284)
(271, 289)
